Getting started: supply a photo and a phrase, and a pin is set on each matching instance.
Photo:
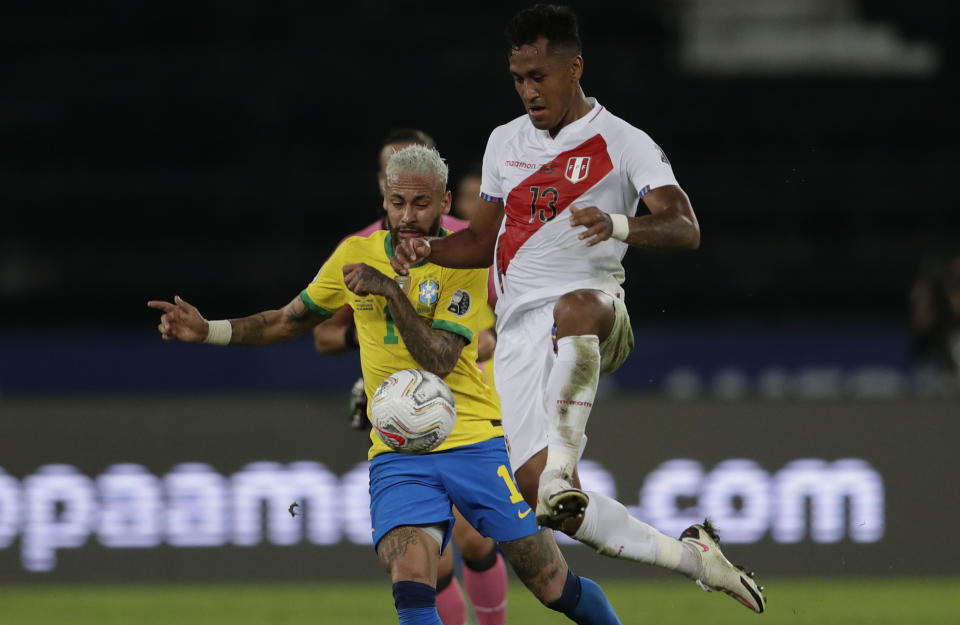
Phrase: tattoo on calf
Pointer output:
(534, 559)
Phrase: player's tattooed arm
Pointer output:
(182, 321)
(274, 326)
(437, 351)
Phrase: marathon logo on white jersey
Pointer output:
(578, 168)
(520, 164)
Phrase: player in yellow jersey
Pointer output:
(484, 571)
(428, 321)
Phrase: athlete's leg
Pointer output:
(484, 573)
(411, 522)
(450, 602)
(605, 524)
(541, 567)
(411, 556)
(582, 319)
(481, 486)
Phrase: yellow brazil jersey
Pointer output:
(446, 299)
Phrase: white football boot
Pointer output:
(717, 573)
(558, 501)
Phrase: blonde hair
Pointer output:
(418, 159)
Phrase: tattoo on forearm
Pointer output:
(534, 559)
(249, 330)
(274, 326)
(436, 351)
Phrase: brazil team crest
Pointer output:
(429, 291)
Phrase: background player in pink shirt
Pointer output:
(562, 322)
(484, 571)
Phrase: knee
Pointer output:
(404, 554)
(584, 312)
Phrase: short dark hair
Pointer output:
(557, 23)
(409, 135)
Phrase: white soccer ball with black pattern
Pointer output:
(413, 411)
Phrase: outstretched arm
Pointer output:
(671, 224)
(470, 248)
(435, 350)
(183, 322)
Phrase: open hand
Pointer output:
(180, 321)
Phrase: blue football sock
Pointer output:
(416, 603)
(583, 602)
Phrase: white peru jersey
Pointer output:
(598, 160)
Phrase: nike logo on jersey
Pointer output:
(523, 515)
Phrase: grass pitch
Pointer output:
(791, 601)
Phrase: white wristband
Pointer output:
(219, 332)
(621, 227)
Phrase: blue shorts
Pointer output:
(418, 490)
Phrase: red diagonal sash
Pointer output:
(548, 192)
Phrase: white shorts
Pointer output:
(522, 363)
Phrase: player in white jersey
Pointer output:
(562, 322)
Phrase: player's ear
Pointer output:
(447, 202)
(576, 68)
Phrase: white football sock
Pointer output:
(608, 527)
(571, 388)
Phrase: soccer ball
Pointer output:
(413, 411)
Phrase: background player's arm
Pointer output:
(435, 350)
(183, 322)
(336, 335)
(486, 343)
(470, 248)
(671, 224)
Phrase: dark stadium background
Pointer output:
(219, 151)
